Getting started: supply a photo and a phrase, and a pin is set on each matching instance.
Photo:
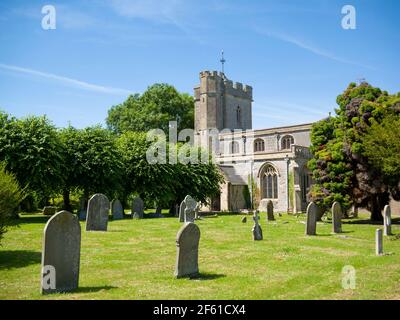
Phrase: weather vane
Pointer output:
(222, 60)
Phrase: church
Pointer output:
(258, 165)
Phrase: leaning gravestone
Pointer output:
(270, 211)
(187, 242)
(117, 210)
(387, 220)
(337, 217)
(97, 216)
(61, 253)
(137, 208)
(257, 231)
(190, 209)
(244, 220)
(311, 224)
(182, 211)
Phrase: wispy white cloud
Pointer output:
(66, 81)
(309, 47)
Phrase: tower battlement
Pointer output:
(236, 89)
(221, 103)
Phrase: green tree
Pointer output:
(341, 170)
(10, 197)
(92, 162)
(33, 152)
(382, 149)
(158, 105)
(166, 183)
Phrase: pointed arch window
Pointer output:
(287, 142)
(269, 183)
(259, 145)
(234, 147)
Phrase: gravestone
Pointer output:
(97, 216)
(187, 243)
(182, 211)
(190, 208)
(379, 242)
(61, 252)
(311, 224)
(244, 220)
(117, 210)
(387, 220)
(270, 211)
(337, 217)
(137, 208)
(257, 231)
(177, 210)
(82, 212)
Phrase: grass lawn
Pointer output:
(135, 259)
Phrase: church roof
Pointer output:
(231, 175)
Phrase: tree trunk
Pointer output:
(67, 201)
(376, 210)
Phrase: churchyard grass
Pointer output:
(135, 259)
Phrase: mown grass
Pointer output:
(135, 260)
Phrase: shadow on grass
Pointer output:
(39, 219)
(18, 258)
(207, 276)
(370, 222)
(93, 289)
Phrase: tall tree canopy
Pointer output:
(32, 151)
(340, 168)
(382, 148)
(167, 184)
(158, 105)
(92, 161)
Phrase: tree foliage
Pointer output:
(10, 197)
(341, 170)
(167, 184)
(33, 152)
(92, 161)
(382, 149)
(153, 109)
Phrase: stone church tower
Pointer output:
(221, 104)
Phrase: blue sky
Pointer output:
(294, 53)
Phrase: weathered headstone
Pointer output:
(82, 212)
(190, 208)
(337, 217)
(97, 216)
(117, 210)
(379, 242)
(187, 242)
(244, 220)
(311, 224)
(257, 231)
(137, 208)
(387, 220)
(177, 210)
(61, 253)
(182, 208)
(270, 211)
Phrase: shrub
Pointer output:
(10, 197)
